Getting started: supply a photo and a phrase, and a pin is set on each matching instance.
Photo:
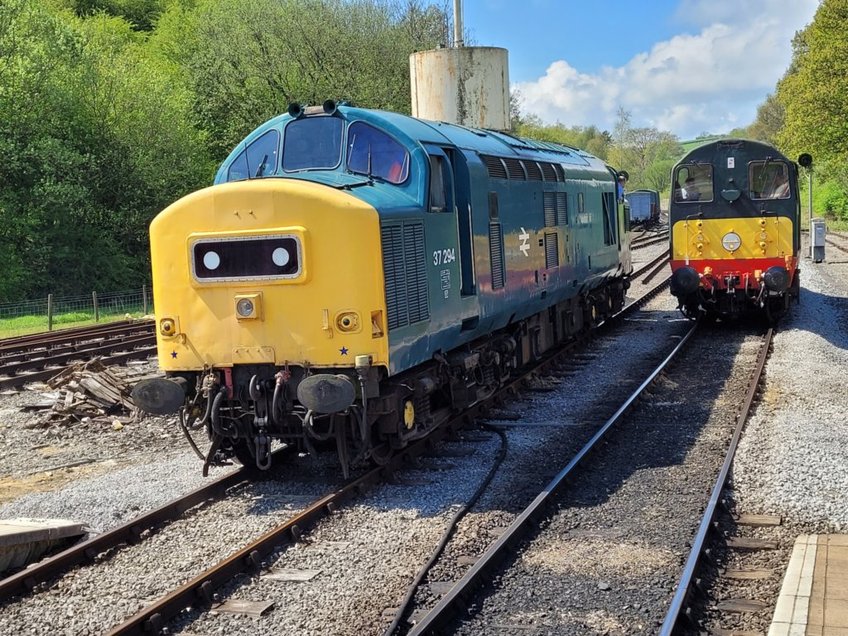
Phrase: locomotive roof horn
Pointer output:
(295, 110)
(329, 107)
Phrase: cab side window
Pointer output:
(438, 198)
(373, 152)
(259, 159)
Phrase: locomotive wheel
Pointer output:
(243, 452)
(795, 290)
(381, 454)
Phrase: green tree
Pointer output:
(645, 153)
(142, 14)
(588, 138)
(247, 60)
(814, 92)
(769, 121)
(96, 139)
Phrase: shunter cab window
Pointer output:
(371, 151)
(312, 143)
(768, 180)
(259, 159)
(693, 183)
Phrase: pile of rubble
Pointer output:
(89, 392)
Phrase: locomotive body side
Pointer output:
(734, 230)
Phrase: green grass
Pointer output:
(24, 325)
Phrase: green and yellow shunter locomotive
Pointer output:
(734, 226)
(355, 276)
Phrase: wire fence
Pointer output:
(60, 312)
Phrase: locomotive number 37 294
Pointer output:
(443, 257)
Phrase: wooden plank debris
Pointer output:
(89, 391)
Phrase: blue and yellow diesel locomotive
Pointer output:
(354, 276)
(734, 227)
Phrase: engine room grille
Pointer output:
(513, 167)
(548, 170)
(561, 208)
(405, 273)
(551, 250)
(534, 173)
(496, 255)
(549, 200)
(494, 166)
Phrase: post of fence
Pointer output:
(49, 312)
(94, 302)
(144, 300)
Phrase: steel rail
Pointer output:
(68, 336)
(32, 352)
(652, 263)
(26, 580)
(438, 618)
(648, 242)
(138, 350)
(659, 267)
(85, 351)
(841, 248)
(672, 619)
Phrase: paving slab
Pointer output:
(813, 599)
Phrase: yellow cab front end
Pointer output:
(304, 255)
(270, 301)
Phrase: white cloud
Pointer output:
(712, 80)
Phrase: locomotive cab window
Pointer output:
(693, 183)
(312, 143)
(371, 151)
(259, 159)
(768, 180)
(438, 198)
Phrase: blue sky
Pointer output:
(687, 66)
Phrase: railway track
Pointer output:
(249, 558)
(649, 239)
(246, 559)
(464, 609)
(842, 248)
(40, 356)
(683, 614)
(651, 268)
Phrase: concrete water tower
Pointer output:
(461, 85)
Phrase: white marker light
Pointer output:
(731, 241)
(211, 260)
(281, 257)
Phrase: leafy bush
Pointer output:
(831, 200)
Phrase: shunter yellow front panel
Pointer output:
(761, 237)
(340, 280)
